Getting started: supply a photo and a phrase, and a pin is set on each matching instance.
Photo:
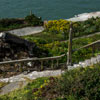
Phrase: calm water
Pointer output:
(47, 9)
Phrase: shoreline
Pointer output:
(84, 16)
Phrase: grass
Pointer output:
(11, 27)
(25, 93)
(44, 37)
(2, 84)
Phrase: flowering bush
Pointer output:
(59, 26)
(79, 28)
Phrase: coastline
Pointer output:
(84, 16)
(34, 30)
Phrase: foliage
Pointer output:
(82, 83)
(33, 20)
(7, 22)
(26, 93)
(44, 38)
(79, 28)
(57, 48)
(2, 84)
(58, 27)
(14, 23)
(76, 84)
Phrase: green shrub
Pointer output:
(8, 22)
(33, 20)
(14, 23)
(76, 84)
(83, 83)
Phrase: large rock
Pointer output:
(14, 47)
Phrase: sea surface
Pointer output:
(47, 9)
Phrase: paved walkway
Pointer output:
(27, 31)
(19, 81)
(13, 86)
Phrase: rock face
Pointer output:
(14, 47)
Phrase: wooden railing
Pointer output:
(92, 49)
(93, 45)
(33, 63)
(44, 63)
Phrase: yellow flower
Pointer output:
(41, 86)
(45, 81)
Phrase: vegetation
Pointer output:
(60, 47)
(2, 84)
(76, 84)
(58, 30)
(33, 20)
(27, 93)
(13, 23)
(44, 37)
(79, 28)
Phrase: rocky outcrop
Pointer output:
(13, 47)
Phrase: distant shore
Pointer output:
(85, 16)
(33, 30)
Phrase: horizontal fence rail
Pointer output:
(33, 64)
(89, 45)
(31, 59)
(38, 64)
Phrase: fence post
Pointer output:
(52, 65)
(57, 63)
(30, 12)
(69, 55)
(41, 65)
(93, 50)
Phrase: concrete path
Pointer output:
(19, 81)
(13, 86)
(33, 75)
(27, 31)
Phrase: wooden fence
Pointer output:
(48, 62)
(36, 64)
(43, 63)
(93, 45)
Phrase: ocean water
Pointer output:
(47, 9)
